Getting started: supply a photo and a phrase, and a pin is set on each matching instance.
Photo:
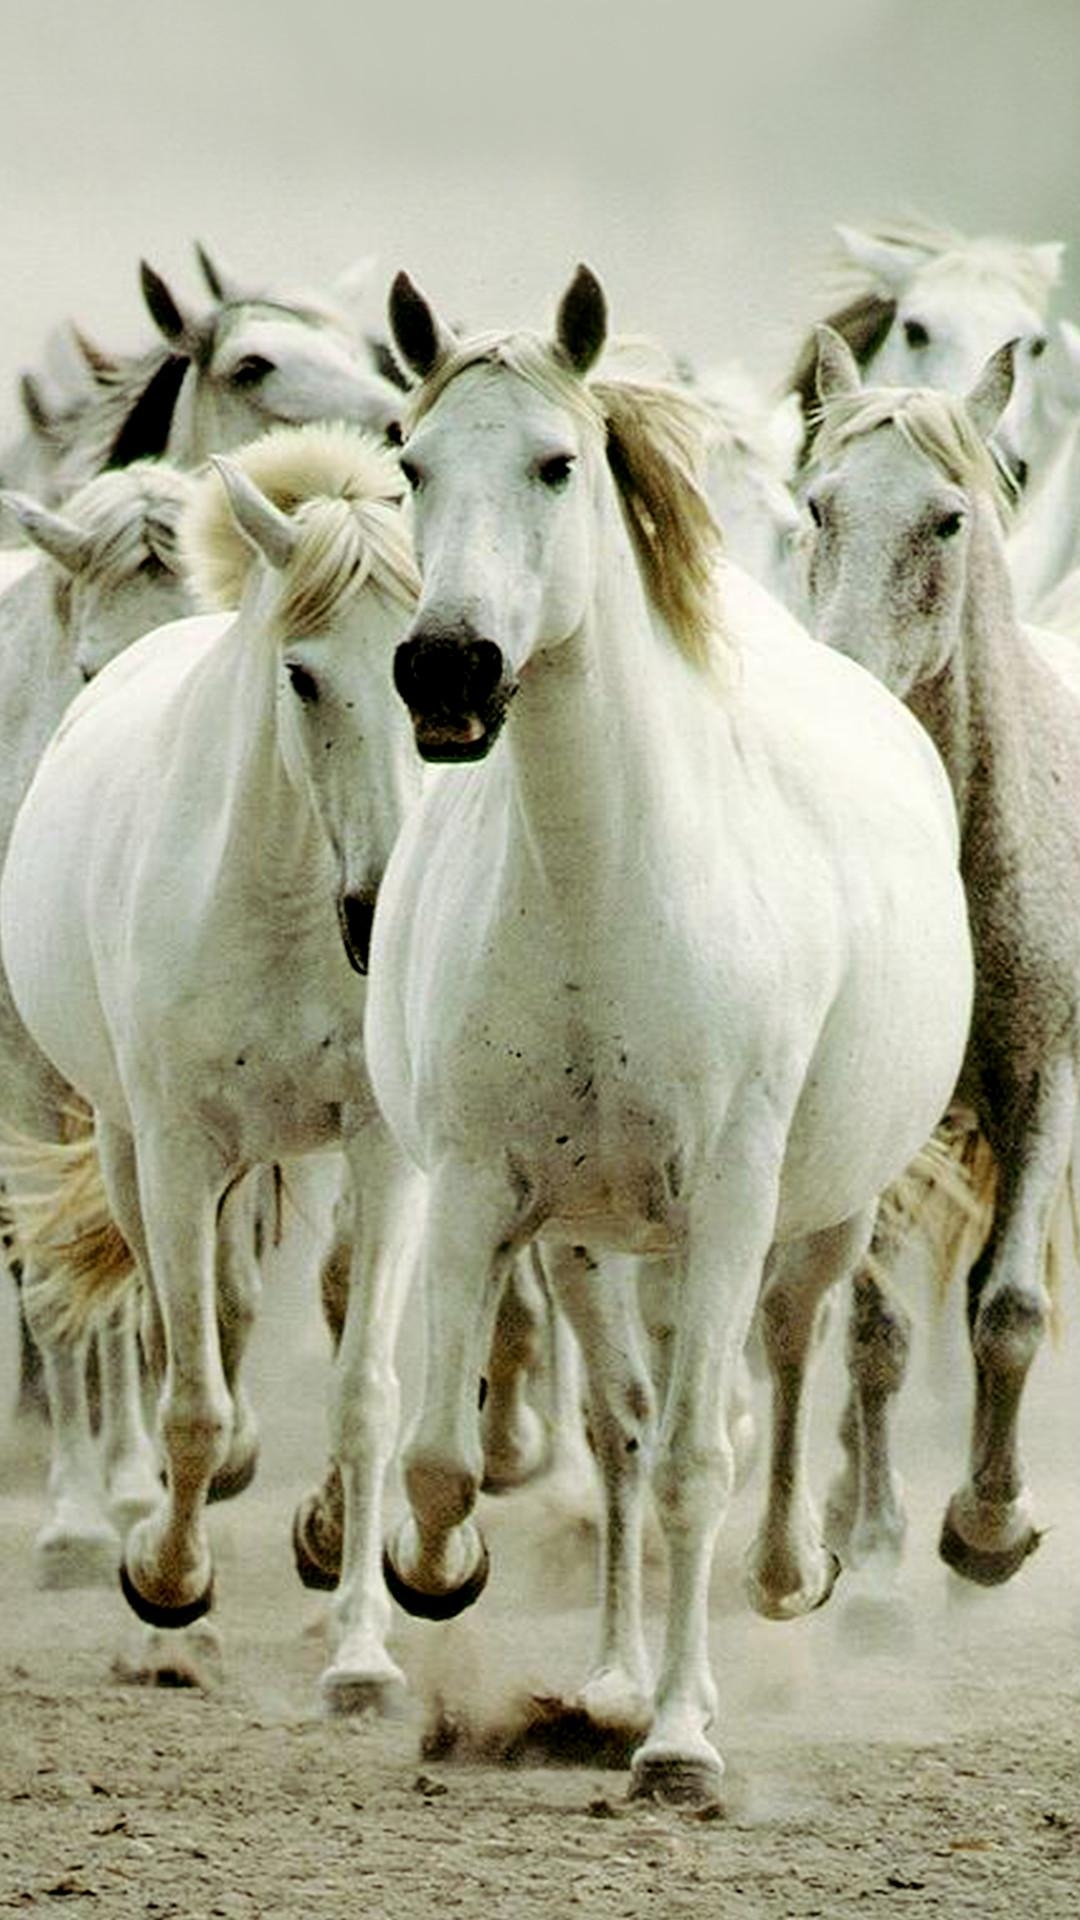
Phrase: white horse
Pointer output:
(908, 576)
(930, 306)
(223, 377)
(111, 570)
(207, 831)
(750, 457)
(681, 970)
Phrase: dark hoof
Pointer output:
(229, 1481)
(976, 1564)
(837, 1570)
(437, 1606)
(677, 1783)
(159, 1616)
(310, 1565)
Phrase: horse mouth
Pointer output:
(460, 737)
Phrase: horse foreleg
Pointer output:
(988, 1531)
(730, 1228)
(601, 1307)
(167, 1572)
(364, 1419)
(789, 1570)
(436, 1563)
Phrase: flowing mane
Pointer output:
(656, 438)
(934, 422)
(344, 491)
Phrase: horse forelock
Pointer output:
(655, 436)
(342, 489)
(129, 513)
(934, 422)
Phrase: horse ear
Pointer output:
(992, 391)
(99, 364)
(168, 317)
(220, 283)
(837, 367)
(421, 338)
(57, 536)
(890, 263)
(1049, 256)
(270, 531)
(581, 322)
(37, 413)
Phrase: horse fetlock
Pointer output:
(987, 1540)
(788, 1577)
(441, 1493)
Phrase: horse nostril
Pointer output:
(484, 666)
(356, 914)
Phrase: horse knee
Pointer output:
(879, 1339)
(1009, 1327)
(692, 1485)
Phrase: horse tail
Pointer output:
(947, 1196)
(77, 1265)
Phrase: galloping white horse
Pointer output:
(908, 576)
(186, 911)
(680, 970)
(112, 569)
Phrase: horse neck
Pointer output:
(974, 708)
(592, 731)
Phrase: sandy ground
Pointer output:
(915, 1751)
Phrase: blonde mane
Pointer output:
(343, 490)
(1032, 271)
(656, 438)
(935, 423)
(130, 514)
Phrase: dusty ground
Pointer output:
(913, 1754)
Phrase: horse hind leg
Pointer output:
(239, 1286)
(865, 1522)
(790, 1570)
(989, 1531)
(78, 1545)
(515, 1436)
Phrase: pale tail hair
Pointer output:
(61, 1228)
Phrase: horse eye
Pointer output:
(949, 526)
(393, 434)
(153, 567)
(1038, 346)
(304, 684)
(555, 471)
(412, 475)
(249, 371)
(916, 334)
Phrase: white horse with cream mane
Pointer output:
(202, 845)
(678, 968)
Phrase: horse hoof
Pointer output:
(349, 1696)
(672, 1781)
(232, 1479)
(437, 1606)
(66, 1561)
(312, 1568)
(981, 1565)
(156, 1615)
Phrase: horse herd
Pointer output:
(715, 770)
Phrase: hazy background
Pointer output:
(696, 154)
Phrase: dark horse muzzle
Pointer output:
(457, 690)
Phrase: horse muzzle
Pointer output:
(457, 690)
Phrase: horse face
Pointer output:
(499, 480)
(888, 557)
(346, 744)
(947, 326)
(265, 369)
